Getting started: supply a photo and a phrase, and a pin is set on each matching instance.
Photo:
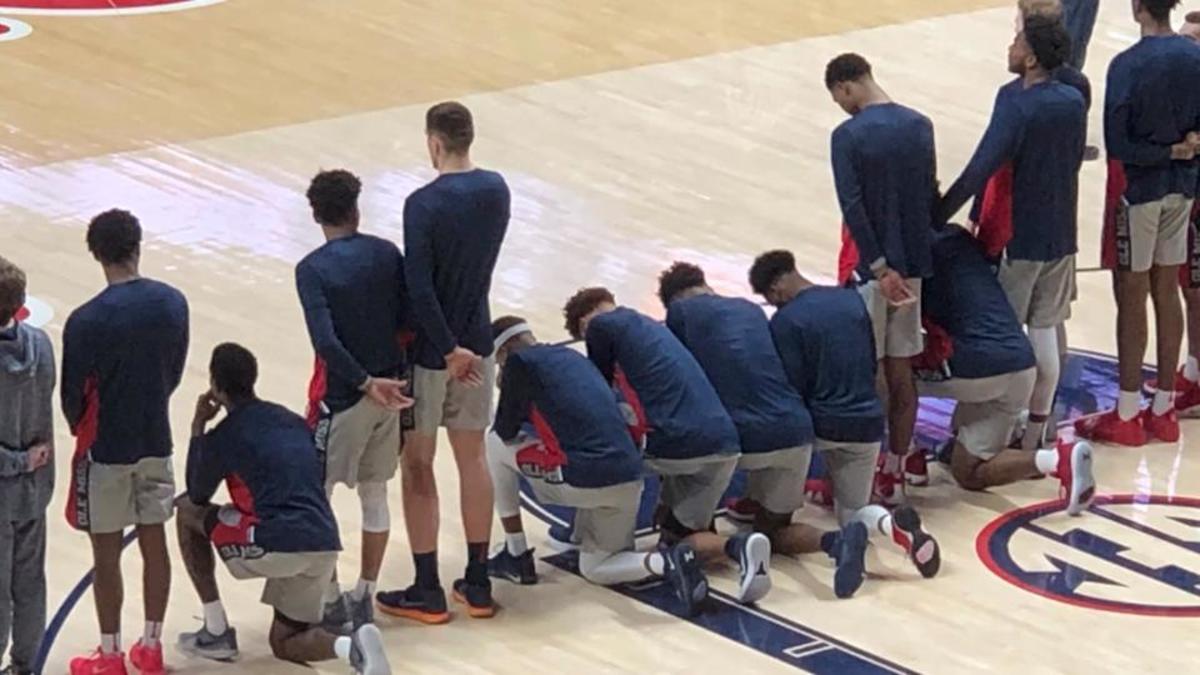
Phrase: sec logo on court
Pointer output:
(98, 7)
(11, 29)
(1134, 554)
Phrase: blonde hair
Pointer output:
(1050, 8)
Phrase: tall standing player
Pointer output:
(885, 171)
(352, 291)
(453, 229)
(123, 357)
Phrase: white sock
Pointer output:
(1191, 369)
(332, 592)
(152, 634)
(110, 643)
(341, 647)
(363, 589)
(877, 519)
(1128, 404)
(1163, 401)
(215, 620)
(1046, 461)
(515, 542)
(656, 564)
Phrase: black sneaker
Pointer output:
(686, 577)
(202, 643)
(367, 655)
(362, 611)
(519, 569)
(850, 557)
(476, 597)
(336, 619)
(922, 548)
(427, 605)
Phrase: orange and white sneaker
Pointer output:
(148, 660)
(1075, 475)
(1164, 427)
(99, 663)
(1110, 428)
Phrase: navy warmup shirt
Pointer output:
(123, 357)
(731, 339)
(453, 229)
(825, 339)
(684, 413)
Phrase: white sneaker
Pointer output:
(754, 559)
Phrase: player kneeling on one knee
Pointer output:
(279, 527)
(826, 347)
(978, 355)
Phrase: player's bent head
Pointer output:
(114, 237)
(767, 271)
(508, 334)
(1159, 10)
(846, 78)
(582, 306)
(333, 196)
(1048, 41)
(677, 278)
(12, 291)
(451, 124)
(234, 371)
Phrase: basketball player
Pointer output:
(825, 340)
(1080, 19)
(26, 474)
(1067, 73)
(279, 527)
(977, 355)
(453, 229)
(1152, 131)
(123, 357)
(884, 168)
(352, 291)
(559, 427)
(689, 439)
(1029, 161)
(731, 339)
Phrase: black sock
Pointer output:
(829, 541)
(427, 570)
(477, 563)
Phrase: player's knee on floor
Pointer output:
(376, 517)
(964, 467)
(282, 629)
(771, 524)
(672, 530)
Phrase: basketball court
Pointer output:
(632, 134)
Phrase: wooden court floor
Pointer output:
(632, 134)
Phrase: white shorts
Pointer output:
(1040, 292)
(111, 497)
(851, 472)
(1155, 234)
(442, 402)
(360, 444)
(692, 488)
(776, 479)
(988, 408)
(897, 329)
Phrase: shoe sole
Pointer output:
(852, 569)
(519, 580)
(370, 642)
(1083, 480)
(739, 517)
(428, 618)
(222, 655)
(924, 552)
(473, 611)
(917, 479)
(756, 569)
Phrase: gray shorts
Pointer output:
(442, 402)
(116, 496)
(360, 444)
(1040, 292)
(897, 329)
(776, 479)
(988, 408)
(605, 518)
(1157, 233)
(852, 473)
(692, 488)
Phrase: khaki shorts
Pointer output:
(360, 444)
(988, 408)
(776, 479)
(1040, 292)
(692, 488)
(445, 403)
(605, 518)
(1156, 233)
(897, 329)
(852, 472)
(117, 496)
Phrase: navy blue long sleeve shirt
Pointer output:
(685, 416)
(731, 339)
(270, 450)
(885, 172)
(560, 392)
(1039, 132)
(124, 353)
(453, 230)
(353, 294)
(1152, 102)
(827, 345)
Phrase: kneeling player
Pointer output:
(558, 425)
(279, 528)
(978, 356)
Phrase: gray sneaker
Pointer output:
(362, 612)
(223, 647)
(336, 618)
(367, 655)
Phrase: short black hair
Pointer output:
(767, 269)
(114, 236)
(452, 122)
(12, 290)
(1160, 9)
(584, 302)
(333, 196)
(234, 370)
(679, 277)
(1048, 38)
(504, 323)
(848, 67)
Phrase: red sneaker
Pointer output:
(1110, 428)
(1077, 480)
(742, 509)
(819, 491)
(98, 663)
(889, 488)
(1150, 387)
(1187, 402)
(149, 660)
(1164, 427)
(916, 470)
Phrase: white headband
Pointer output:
(510, 333)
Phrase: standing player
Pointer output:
(690, 441)
(1035, 142)
(1080, 18)
(885, 171)
(1152, 131)
(352, 291)
(453, 229)
(279, 527)
(123, 357)
(558, 426)
(825, 340)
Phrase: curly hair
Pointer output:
(114, 236)
(767, 269)
(678, 278)
(333, 196)
(584, 302)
